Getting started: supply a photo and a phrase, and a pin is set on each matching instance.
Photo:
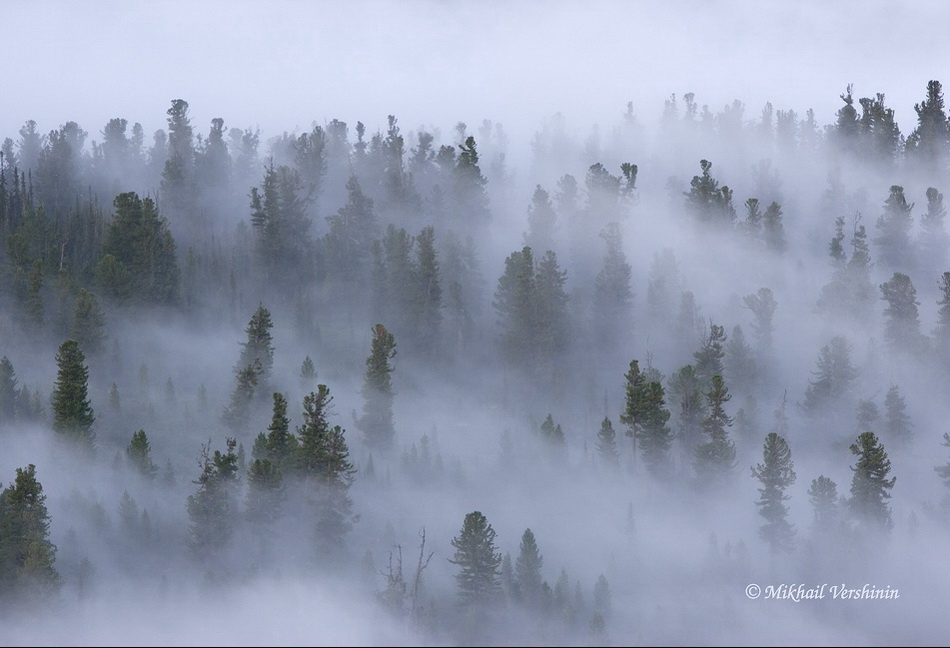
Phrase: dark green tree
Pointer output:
(139, 259)
(478, 561)
(763, 306)
(308, 373)
(72, 413)
(265, 495)
(178, 180)
(776, 473)
(710, 354)
(686, 398)
(773, 231)
(139, 454)
(213, 507)
(715, 460)
(929, 144)
(655, 436)
(348, 245)
(8, 391)
(259, 347)
(709, 202)
(236, 413)
(870, 487)
(377, 392)
(27, 555)
(323, 458)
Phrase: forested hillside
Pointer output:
(385, 383)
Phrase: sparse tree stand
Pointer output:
(26, 553)
(72, 414)
(870, 487)
(377, 419)
(776, 474)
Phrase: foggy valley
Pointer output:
(674, 376)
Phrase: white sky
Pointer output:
(283, 64)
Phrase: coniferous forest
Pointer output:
(660, 382)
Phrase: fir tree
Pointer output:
(715, 459)
(377, 419)
(212, 508)
(870, 487)
(528, 571)
(823, 495)
(776, 474)
(607, 443)
(72, 414)
(138, 452)
(897, 423)
(27, 555)
(478, 561)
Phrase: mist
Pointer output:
(494, 264)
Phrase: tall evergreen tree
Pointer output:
(258, 349)
(655, 436)
(528, 571)
(88, 323)
(139, 454)
(929, 144)
(709, 202)
(612, 293)
(478, 561)
(902, 328)
(378, 394)
(715, 460)
(27, 555)
(8, 391)
(870, 487)
(934, 241)
(776, 474)
(72, 413)
(212, 507)
(894, 227)
(834, 377)
(941, 333)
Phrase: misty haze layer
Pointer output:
(672, 381)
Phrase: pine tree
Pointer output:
(323, 457)
(265, 495)
(715, 459)
(27, 555)
(934, 241)
(212, 508)
(929, 144)
(236, 413)
(612, 294)
(607, 443)
(259, 347)
(138, 453)
(542, 221)
(709, 202)
(776, 474)
(72, 414)
(528, 571)
(870, 487)
(478, 562)
(377, 419)
(772, 229)
(280, 445)
(687, 399)
(655, 436)
(709, 356)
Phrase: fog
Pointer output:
(350, 128)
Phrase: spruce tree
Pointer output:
(528, 571)
(655, 436)
(607, 443)
(138, 452)
(897, 423)
(88, 323)
(377, 392)
(27, 555)
(715, 459)
(72, 414)
(776, 474)
(259, 347)
(870, 487)
(478, 561)
(212, 507)
(902, 328)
